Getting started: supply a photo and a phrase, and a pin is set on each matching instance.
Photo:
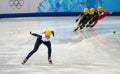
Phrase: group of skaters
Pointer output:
(88, 18)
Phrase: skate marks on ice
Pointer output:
(91, 53)
(70, 68)
(82, 35)
(66, 35)
(36, 66)
(79, 36)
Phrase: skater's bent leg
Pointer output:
(48, 44)
(78, 26)
(94, 23)
(101, 17)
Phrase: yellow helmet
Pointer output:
(99, 9)
(85, 11)
(92, 10)
(48, 32)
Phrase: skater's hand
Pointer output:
(77, 20)
(30, 32)
(110, 12)
(52, 33)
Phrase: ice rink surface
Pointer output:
(92, 51)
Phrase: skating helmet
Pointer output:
(48, 32)
(85, 11)
(92, 10)
(99, 9)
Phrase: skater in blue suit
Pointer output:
(43, 38)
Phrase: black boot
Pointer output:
(92, 26)
(88, 25)
(75, 29)
(24, 61)
(50, 61)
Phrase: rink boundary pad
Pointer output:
(53, 14)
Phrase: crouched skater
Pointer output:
(42, 38)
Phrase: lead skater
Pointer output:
(101, 14)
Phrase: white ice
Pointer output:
(93, 51)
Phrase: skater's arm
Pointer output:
(34, 34)
(107, 13)
(79, 17)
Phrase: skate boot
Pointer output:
(75, 29)
(88, 25)
(50, 61)
(81, 27)
(92, 26)
(24, 61)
